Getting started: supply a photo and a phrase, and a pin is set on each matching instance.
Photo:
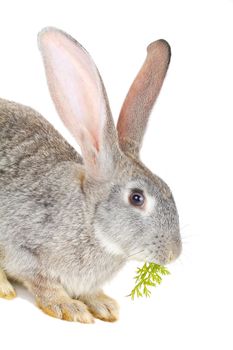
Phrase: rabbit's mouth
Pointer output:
(161, 257)
(159, 261)
(144, 255)
(167, 256)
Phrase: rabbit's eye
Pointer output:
(137, 198)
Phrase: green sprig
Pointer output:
(149, 275)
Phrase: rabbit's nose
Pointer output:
(175, 250)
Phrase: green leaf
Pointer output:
(149, 275)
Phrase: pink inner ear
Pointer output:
(74, 86)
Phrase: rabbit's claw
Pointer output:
(102, 307)
(69, 310)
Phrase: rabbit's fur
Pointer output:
(66, 224)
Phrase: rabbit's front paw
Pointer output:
(6, 289)
(102, 307)
(69, 310)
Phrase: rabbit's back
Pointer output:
(39, 180)
(29, 143)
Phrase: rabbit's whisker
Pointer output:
(141, 251)
(184, 226)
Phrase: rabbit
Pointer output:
(68, 223)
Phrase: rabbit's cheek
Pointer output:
(109, 245)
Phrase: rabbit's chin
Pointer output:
(161, 262)
(157, 260)
(142, 257)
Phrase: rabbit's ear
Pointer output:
(80, 99)
(141, 97)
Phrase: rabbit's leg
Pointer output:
(101, 306)
(6, 289)
(54, 301)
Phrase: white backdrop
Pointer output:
(188, 143)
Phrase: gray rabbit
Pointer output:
(67, 223)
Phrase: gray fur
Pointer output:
(50, 210)
(44, 213)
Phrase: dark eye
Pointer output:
(137, 198)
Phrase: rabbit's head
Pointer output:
(132, 210)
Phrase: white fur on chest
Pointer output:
(89, 279)
(76, 285)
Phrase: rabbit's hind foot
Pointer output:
(66, 309)
(6, 289)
